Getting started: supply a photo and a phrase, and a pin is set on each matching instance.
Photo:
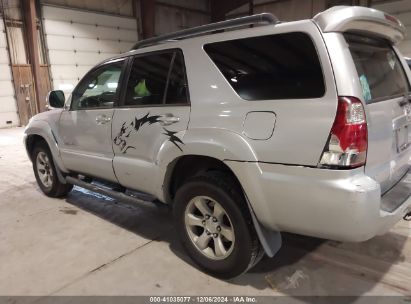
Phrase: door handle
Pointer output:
(169, 119)
(102, 119)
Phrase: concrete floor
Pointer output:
(86, 245)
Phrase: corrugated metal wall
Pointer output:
(8, 108)
(77, 40)
(402, 10)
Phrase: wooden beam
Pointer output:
(220, 8)
(148, 17)
(30, 23)
(183, 8)
(250, 7)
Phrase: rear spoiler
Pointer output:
(361, 19)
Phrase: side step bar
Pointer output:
(124, 198)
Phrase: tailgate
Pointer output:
(386, 92)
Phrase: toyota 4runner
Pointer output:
(299, 126)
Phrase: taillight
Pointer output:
(347, 144)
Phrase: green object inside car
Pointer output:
(141, 89)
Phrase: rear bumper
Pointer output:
(397, 195)
(332, 204)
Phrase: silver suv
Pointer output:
(299, 126)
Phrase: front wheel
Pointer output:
(215, 226)
(45, 172)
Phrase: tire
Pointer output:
(228, 254)
(43, 165)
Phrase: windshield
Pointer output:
(379, 70)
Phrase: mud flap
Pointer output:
(59, 174)
(269, 239)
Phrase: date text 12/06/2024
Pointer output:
(203, 299)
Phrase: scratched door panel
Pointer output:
(152, 118)
(139, 136)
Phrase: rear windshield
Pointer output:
(281, 66)
(379, 70)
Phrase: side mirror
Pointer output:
(55, 99)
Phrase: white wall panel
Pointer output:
(67, 85)
(5, 73)
(6, 89)
(83, 17)
(3, 41)
(64, 72)
(59, 28)
(83, 69)
(123, 7)
(8, 108)
(79, 58)
(4, 56)
(61, 57)
(9, 116)
(77, 40)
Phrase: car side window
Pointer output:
(279, 66)
(177, 88)
(157, 79)
(98, 90)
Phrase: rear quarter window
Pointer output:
(280, 66)
(379, 69)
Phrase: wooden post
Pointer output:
(148, 18)
(220, 8)
(251, 7)
(30, 23)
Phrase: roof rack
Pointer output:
(207, 28)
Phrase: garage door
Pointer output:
(8, 108)
(77, 40)
(401, 10)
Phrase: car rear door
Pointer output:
(153, 116)
(386, 92)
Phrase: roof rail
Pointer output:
(207, 28)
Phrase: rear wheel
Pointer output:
(215, 226)
(45, 172)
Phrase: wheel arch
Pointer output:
(203, 150)
(31, 141)
(41, 131)
(186, 166)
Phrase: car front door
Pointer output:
(85, 128)
(153, 115)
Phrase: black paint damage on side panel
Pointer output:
(128, 128)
